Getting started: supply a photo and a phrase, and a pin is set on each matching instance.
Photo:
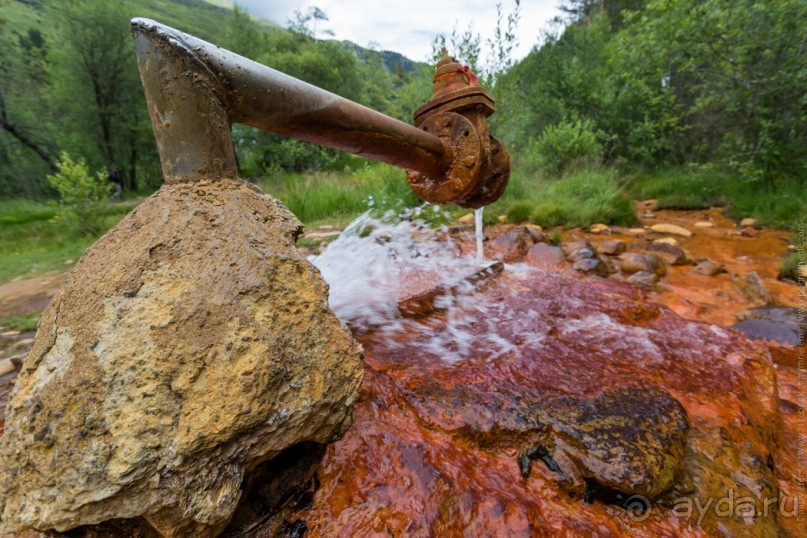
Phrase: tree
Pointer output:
(95, 84)
(26, 151)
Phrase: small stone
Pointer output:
(749, 232)
(750, 286)
(9, 334)
(633, 262)
(612, 248)
(704, 224)
(599, 228)
(649, 204)
(6, 367)
(671, 254)
(707, 267)
(591, 266)
(502, 218)
(568, 248)
(748, 222)
(648, 215)
(585, 253)
(645, 280)
(666, 241)
(545, 256)
(467, 219)
(69, 262)
(636, 231)
(511, 246)
(672, 229)
(537, 235)
(535, 227)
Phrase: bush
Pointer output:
(565, 144)
(82, 197)
(580, 199)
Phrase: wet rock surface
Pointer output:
(189, 346)
(598, 399)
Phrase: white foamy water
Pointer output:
(376, 262)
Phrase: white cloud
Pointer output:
(409, 27)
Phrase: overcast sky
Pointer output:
(409, 26)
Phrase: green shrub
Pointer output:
(82, 197)
(519, 212)
(579, 199)
(565, 144)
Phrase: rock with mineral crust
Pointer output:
(671, 229)
(633, 262)
(708, 267)
(547, 257)
(671, 254)
(611, 248)
(645, 280)
(751, 287)
(599, 228)
(748, 222)
(511, 246)
(190, 344)
(591, 266)
(587, 383)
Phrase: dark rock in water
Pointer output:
(645, 280)
(776, 323)
(765, 329)
(612, 248)
(591, 266)
(671, 254)
(630, 440)
(633, 262)
(546, 257)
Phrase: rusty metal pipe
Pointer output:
(195, 91)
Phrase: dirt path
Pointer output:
(20, 297)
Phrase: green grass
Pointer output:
(778, 206)
(337, 197)
(25, 323)
(32, 244)
(581, 198)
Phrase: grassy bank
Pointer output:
(32, 244)
(779, 206)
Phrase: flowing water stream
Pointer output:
(378, 262)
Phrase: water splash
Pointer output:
(480, 253)
(377, 262)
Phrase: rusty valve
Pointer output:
(479, 163)
(195, 91)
